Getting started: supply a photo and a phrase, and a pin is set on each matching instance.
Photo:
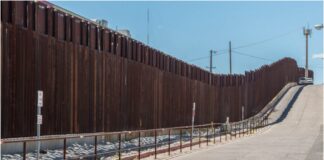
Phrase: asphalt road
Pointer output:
(296, 132)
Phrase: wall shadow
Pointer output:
(288, 108)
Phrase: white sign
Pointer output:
(193, 112)
(39, 98)
(39, 119)
(193, 117)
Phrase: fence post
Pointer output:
(239, 124)
(191, 134)
(214, 133)
(253, 125)
(207, 136)
(119, 146)
(231, 124)
(199, 136)
(95, 147)
(250, 123)
(245, 128)
(155, 143)
(24, 150)
(220, 133)
(64, 148)
(169, 141)
(139, 145)
(235, 126)
(181, 140)
(226, 132)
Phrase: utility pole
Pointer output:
(230, 57)
(307, 32)
(211, 61)
(211, 64)
(148, 27)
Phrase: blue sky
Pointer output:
(188, 30)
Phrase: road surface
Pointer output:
(296, 132)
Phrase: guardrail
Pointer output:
(163, 140)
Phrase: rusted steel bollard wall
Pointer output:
(97, 80)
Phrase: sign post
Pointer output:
(39, 118)
(193, 117)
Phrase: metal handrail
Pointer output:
(247, 126)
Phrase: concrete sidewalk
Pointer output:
(295, 133)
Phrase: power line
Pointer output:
(205, 57)
(263, 41)
(252, 56)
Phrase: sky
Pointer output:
(260, 32)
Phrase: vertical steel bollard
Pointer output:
(24, 150)
(169, 141)
(155, 143)
(64, 148)
(119, 146)
(180, 140)
(139, 145)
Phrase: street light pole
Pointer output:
(307, 32)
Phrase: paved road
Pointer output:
(296, 132)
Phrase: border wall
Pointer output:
(95, 79)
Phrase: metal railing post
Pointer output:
(95, 147)
(250, 128)
(220, 133)
(24, 150)
(226, 132)
(214, 133)
(230, 131)
(64, 148)
(243, 128)
(207, 136)
(235, 129)
(119, 146)
(139, 145)
(155, 143)
(181, 140)
(239, 124)
(191, 135)
(253, 125)
(199, 136)
(169, 141)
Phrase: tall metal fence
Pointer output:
(96, 80)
